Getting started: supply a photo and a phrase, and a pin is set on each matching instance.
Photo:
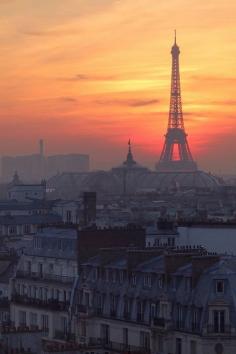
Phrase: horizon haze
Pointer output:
(89, 75)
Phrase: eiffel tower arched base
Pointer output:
(176, 155)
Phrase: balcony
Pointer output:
(127, 316)
(225, 330)
(37, 276)
(85, 311)
(113, 313)
(50, 304)
(140, 317)
(160, 323)
(98, 312)
(180, 325)
(61, 335)
(117, 347)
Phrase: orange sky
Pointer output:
(87, 75)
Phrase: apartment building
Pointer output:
(41, 290)
(158, 301)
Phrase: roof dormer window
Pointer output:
(220, 286)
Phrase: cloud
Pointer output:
(224, 102)
(219, 79)
(68, 99)
(128, 102)
(48, 33)
(85, 77)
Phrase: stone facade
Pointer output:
(160, 302)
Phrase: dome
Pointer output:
(183, 180)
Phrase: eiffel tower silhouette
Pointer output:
(176, 155)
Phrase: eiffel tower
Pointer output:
(176, 155)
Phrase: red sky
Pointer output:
(87, 75)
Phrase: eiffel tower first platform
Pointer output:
(176, 154)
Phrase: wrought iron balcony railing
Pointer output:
(50, 304)
(117, 347)
(44, 276)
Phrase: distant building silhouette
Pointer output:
(35, 167)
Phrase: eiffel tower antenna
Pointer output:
(176, 154)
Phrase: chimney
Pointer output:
(89, 208)
(41, 147)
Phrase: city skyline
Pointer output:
(89, 76)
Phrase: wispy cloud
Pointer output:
(219, 79)
(128, 102)
(87, 77)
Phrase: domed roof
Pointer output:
(195, 179)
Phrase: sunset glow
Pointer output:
(87, 75)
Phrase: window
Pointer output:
(34, 292)
(160, 343)
(37, 242)
(163, 310)
(44, 322)
(113, 276)
(28, 267)
(193, 347)
(105, 334)
(40, 293)
(153, 310)
(40, 269)
(147, 281)
(27, 229)
(161, 281)
(127, 308)
(95, 274)
(83, 329)
(12, 230)
(99, 303)
(180, 322)
(60, 246)
(220, 286)
(64, 325)
(45, 294)
(68, 216)
(87, 299)
(133, 279)
(113, 305)
(29, 291)
(125, 337)
(140, 311)
(51, 267)
(219, 321)
(188, 284)
(195, 319)
(178, 346)
(145, 340)
(22, 318)
(33, 319)
(121, 276)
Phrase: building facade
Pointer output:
(160, 302)
(42, 288)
